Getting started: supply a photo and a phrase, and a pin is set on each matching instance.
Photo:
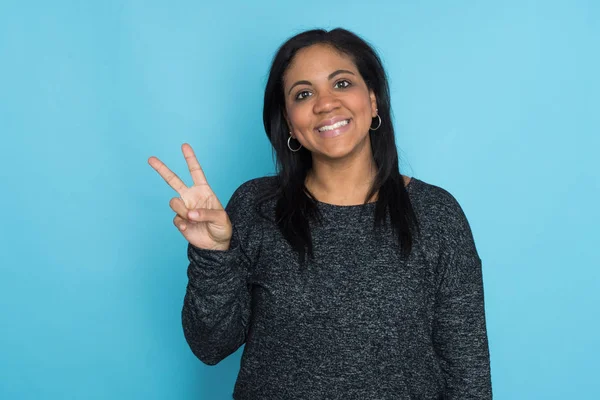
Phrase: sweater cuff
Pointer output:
(207, 263)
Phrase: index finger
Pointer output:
(168, 175)
(193, 165)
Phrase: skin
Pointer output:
(321, 83)
(343, 166)
(200, 216)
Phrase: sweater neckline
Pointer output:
(329, 206)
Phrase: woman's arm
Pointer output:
(459, 332)
(216, 308)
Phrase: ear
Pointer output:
(289, 125)
(373, 103)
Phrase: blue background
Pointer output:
(497, 102)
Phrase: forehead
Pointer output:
(317, 61)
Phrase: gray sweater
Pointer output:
(359, 323)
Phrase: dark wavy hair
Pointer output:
(295, 205)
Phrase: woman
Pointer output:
(344, 278)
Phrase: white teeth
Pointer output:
(334, 126)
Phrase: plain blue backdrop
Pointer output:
(497, 102)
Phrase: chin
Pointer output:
(345, 148)
(339, 152)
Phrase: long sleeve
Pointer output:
(217, 303)
(460, 335)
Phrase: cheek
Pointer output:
(299, 118)
(365, 104)
(362, 107)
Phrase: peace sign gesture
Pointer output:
(200, 215)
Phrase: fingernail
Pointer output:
(193, 214)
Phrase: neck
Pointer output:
(342, 182)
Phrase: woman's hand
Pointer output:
(200, 216)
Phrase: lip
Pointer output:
(331, 121)
(335, 132)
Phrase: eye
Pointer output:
(302, 94)
(343, 84)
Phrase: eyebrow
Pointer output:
(331, 76)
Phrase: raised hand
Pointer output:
(200, 215)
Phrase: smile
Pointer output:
(336, 129)
(334, 126)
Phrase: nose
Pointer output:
(325, 103)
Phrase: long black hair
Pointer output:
(295, 205)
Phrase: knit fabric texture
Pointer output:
(359, 321)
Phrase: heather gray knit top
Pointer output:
(360, 322)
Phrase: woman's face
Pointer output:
(329, 107)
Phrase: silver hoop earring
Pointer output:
(290, 147)
(378, 126)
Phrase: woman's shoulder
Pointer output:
(434, 202)
(257, 186)
(442, 216)
(253, 191)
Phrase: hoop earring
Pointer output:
(378, 126)
(290, 147)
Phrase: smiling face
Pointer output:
(329, 107)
